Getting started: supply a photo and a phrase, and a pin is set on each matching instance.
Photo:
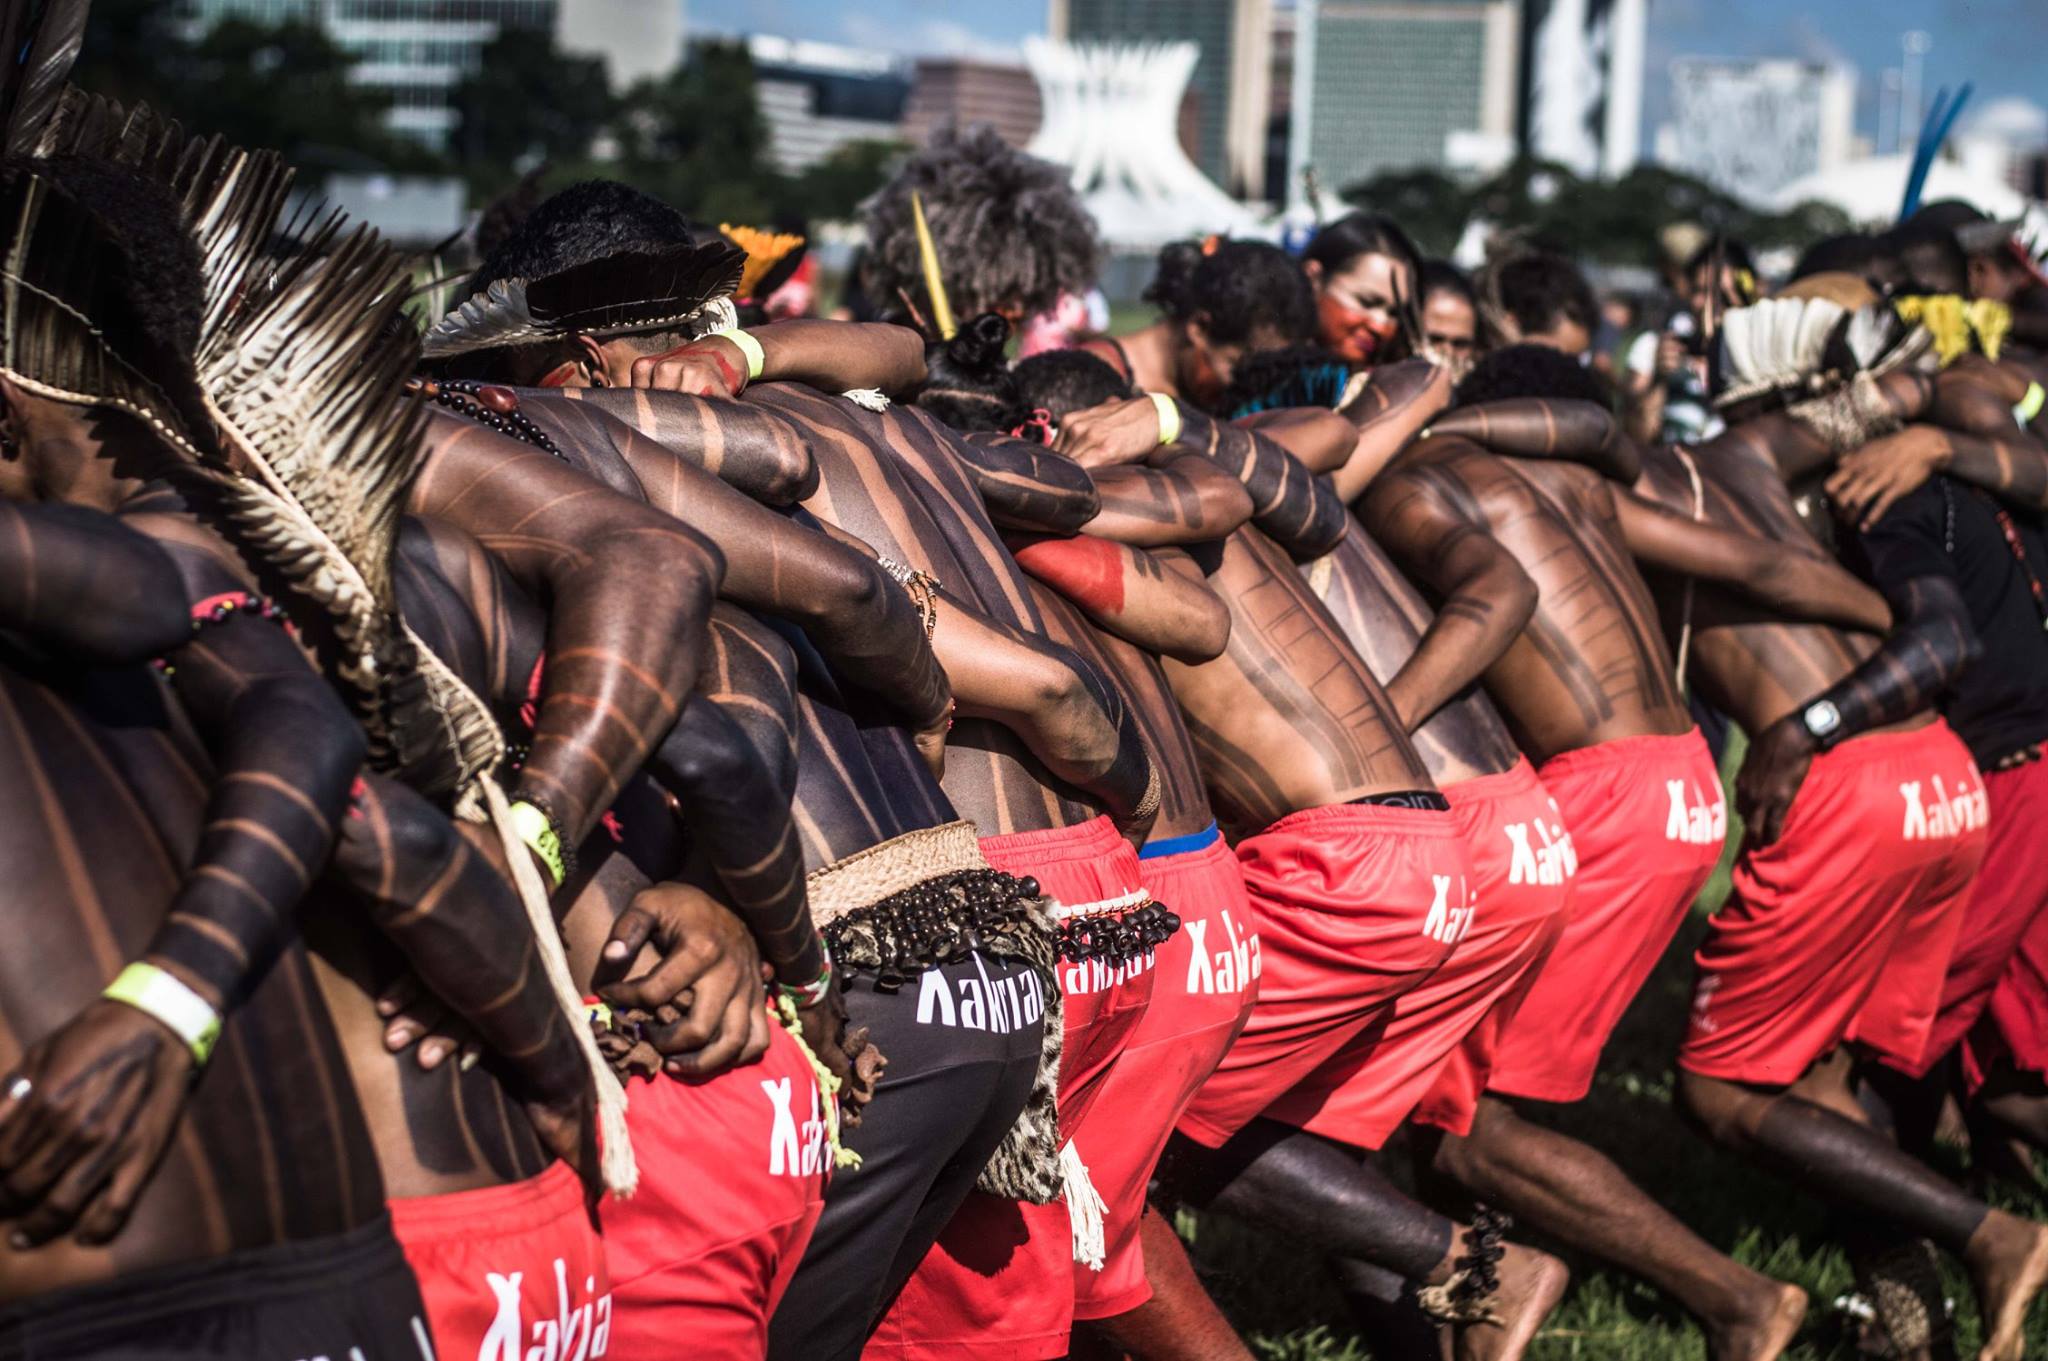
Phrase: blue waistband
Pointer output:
(1178, 845)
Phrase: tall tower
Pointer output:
(1582, 83)
(1230, 86)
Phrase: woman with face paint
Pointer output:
(1219, 300)
(1364, 269)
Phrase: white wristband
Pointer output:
(156, 993)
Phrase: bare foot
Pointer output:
(1531, 1284)
(1762, 1332)
(2008, 1261)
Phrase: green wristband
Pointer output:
(158, 994)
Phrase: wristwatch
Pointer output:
(1823, 720)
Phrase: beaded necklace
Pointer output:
(487, 404)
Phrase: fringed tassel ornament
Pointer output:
(828, 1084)
(871, 399)
(616, 1163)
(1085, 1209)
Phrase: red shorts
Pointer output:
(1000, 1280)
(1857, 889)
(1647, 822)
(2015, 873)
(1207, 977)
(1527, 867)
(1517, 841)
(1355, 905)
(1996, 971)
(508, 1267)
(732, 1180)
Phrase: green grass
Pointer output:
(1281, 1299)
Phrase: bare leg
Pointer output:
(1855, 1166)
(1180, 1322)
(1329, 1196)
(1570, 1191)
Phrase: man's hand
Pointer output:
(824, 1028)
(1771, 774)
(84, 1117)
(704, 963)
(416, 1019)
(708, 367)
(1111, 434)
(1868, 482)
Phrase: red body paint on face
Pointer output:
(1087, 571)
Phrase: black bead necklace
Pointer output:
(489, 405)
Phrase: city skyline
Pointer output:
(1990, 42)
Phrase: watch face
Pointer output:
(1822, 718)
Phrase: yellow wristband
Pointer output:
(541, 838)
(749, 347)
(156, 993)
(2031, 404)
(1169, 417)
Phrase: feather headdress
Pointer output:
(687, 289)
(771, 258)
(40, 41)
(1774, 345)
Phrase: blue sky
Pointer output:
(1997, 43)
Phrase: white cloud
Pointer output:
(2015, 119)
(925, 37)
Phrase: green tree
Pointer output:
(697, 139)
(1430, 206)
(529, 102)
(832, 190)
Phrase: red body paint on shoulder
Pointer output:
(1087, 570)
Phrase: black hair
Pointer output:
(1300, 375)
(591, 220)
(166, 287)
(1851, 253)
(1933, 258)
(1540, 289)
(1441, 276)
(1530, 371)
(968, 385)
(1734, 255)
(1235, 286)
(1337, 245)
(1007, 227)
(1061, 382)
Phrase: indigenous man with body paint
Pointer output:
(1587, 690)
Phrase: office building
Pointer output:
(1582, 83)
(1385, 85)
(817, 97)
(962, 92)
(414, 51)
(1752, 126)
(1229, 93)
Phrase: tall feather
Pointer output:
(934, 279)
(40, 39)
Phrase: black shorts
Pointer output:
(959, 1073)
(346, 1298)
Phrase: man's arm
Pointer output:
(1802, 586)
(106, 1089)
(78, 581)
(1394, 406)
(1067, 715)
(1295, 508)
(1180, 498)
(748, 447)
(1132, 594)
(1931, 646)
(1976, 441)
(439, 895)
(1486, 596)
(832, 356)
(854, 613)
(628, 592)
(1537, 427)
(1321, 439)
(1027, 486)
